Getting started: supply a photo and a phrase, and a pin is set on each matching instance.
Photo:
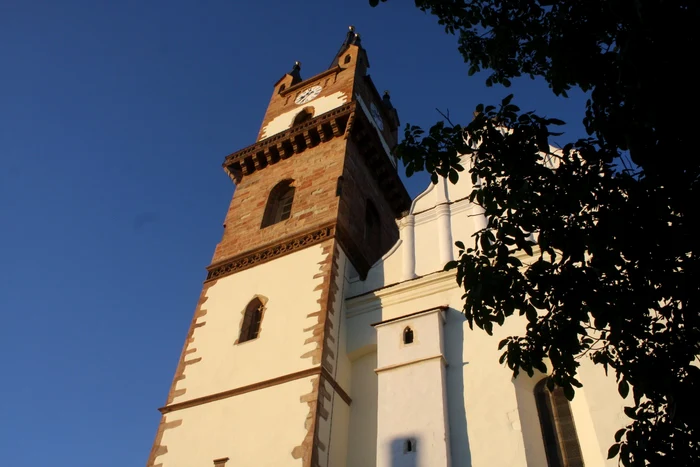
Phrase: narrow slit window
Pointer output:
(558, 430)
(251, 321)
(408, 335)
(409, 446)
(279, 204)
(347, 59)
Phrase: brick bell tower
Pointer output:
(263, 375)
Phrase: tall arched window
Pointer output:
(558, 429)
(279, 203)
(251, 320)
(372, 226)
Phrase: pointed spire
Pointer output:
(386, 100)
(351, 38)
(295, 73)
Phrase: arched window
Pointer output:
(279, 203)
(347, 59)
(408, 335)
(306, 114)
(372, 227)
(251, 320)
(558, 429)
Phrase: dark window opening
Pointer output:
(347, 59)
(282, 88)
(303, 116)
(410, 446)
(251, 321)
(558, 430)
(279, 203)
(339, 186)
(408, 336)
(372, 226)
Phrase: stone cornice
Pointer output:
(262, 255)
(412, 362)
(423, 286)
(316, 371)
(292, 141)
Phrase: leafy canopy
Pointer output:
(607, 224)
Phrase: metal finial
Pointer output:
(351, 28)
(297, 64)
(386, 94)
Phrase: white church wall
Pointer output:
(412, 424)
(411, 406)
(232, 427)
(605, 406)
(492, 418)
(225, 365)
(362, 438)
(333, 427)
(339, 426)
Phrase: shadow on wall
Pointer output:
(457, 416)
(404, 452)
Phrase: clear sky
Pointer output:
(115, 118)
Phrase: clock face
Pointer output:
(376, 116)
(308, 95)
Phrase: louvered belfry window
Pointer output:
(279, 203)
(558, 429)
(251, 321)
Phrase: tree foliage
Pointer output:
(610, 268)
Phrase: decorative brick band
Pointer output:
(248, 260)
(261, 385)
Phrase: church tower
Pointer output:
(264, 379)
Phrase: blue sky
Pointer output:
(114, 120)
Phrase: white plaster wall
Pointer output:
(605, 406)
(333, 430)
(340, 423)
(226, 366)
(492, 418)
(411, 406)
(420, 413)
(427, 339)
(246, 428)
(362, 436)
(321, 105)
